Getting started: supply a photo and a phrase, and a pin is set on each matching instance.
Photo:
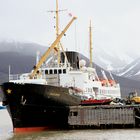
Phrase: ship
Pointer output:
(41, 99)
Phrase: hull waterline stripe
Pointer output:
(31, 129)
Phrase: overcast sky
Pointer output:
(116, 23)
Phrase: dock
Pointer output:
(104, 116)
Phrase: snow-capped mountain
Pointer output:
(124, 64)
(131, 71)
(112, 59)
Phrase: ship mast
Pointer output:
(57, 33)
(59, 45)
(90, 43)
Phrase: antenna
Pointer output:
(57, 28)
(90, 43)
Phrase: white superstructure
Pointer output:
(85, 79)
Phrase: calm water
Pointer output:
(110, 134)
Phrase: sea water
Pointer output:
(5, 125)
(6, 133)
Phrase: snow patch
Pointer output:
(121, 74)
(138, 73)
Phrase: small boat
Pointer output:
(96, 102)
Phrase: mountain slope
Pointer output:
(131, 71)
(111, 59)
(20, 56)
(22, 48)
(18, 62)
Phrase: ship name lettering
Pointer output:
(55, 94)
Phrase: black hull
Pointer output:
(40, 106)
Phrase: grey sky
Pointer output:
(116, 23)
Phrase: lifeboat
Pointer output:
(107, 82)
(104, 82)
(111, 82)
(96, 102)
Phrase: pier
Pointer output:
(104, 116)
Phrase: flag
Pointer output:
(70, 14)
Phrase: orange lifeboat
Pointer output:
(104, 82)
(112, 82)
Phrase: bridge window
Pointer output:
(64, 70)
(51, 72)
(59, 71)
(46, 71)
(55, 71)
